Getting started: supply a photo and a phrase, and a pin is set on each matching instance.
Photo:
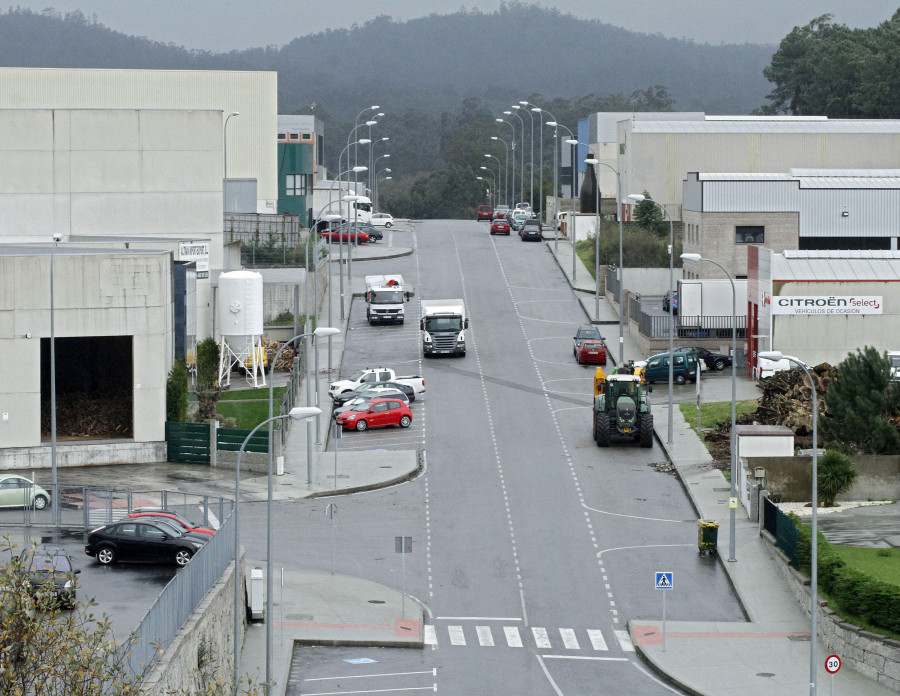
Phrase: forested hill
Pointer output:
(430, 63)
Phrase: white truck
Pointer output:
(706, 304)
(385, 295)
(443, 326)
(376, 374)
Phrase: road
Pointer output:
(532, 547)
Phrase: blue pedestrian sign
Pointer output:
(664, 580)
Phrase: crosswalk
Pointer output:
(567, 639)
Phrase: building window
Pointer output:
(282, 136)
(296, 185)
(749, 234)
(307, 136)
(320, 149)
(295, 136)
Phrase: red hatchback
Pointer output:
(500, 227)
(344, 235)
(485, 212)
(591, 352)
(376, 413)
(173, 517)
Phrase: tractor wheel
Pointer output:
(601, 429)
(646, 429)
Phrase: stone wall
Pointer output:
(870, 654)
(789, 478)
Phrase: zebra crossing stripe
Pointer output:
(456, 635)
(570, 641)
(513, 638)
(430, 635)
(624, 641)
(541, 639)
(597, 639)
(485, 637)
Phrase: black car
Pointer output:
(531, 229)
(714, 361)
(585, 333)
(361, 390)
(142, 539)
(670, 301)
(374, 233)
(50, 575)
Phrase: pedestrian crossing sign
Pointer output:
(664, 580)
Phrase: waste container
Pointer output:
(708, 535)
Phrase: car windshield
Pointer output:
(363, 405)
(443, 324)
(387, 296)
(586, 334)
(48, 562)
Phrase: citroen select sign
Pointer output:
(827, 304)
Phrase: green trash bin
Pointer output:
(708, 535)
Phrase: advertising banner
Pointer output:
(827, 304)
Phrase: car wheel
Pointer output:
(183, 557)
(361, 425)
(680, 379)
(388, 224)
(106, 555)
(719, 364)
(40, 502)
(405, 421)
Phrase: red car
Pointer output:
(591, 352)
(485, 212)
(376, 413)
(357, 236)
(500, 227)
(173, 517)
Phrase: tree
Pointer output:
(207, 386)
(649, 215)
(177, 393)
(836, 474)
(863, 405)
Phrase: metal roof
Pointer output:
(818, 178)
(270, 276)
(46, 249)
(835, 266)
(870, 126)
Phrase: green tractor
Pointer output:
(622, 408)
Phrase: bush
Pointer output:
(177, 393)
(836, 475)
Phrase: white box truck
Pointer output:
(385, 295)
(706, 303)
(443, 326)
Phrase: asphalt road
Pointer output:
(532, 547)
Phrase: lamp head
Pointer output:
(57, 236)
(571, 141)
(324, 331)
(371, 123)
(350, 198)
(516, 106)
(304, 412)
(692, 257)
(552, 123)
(387, 155)
(388, 177)
(494, 137)
(591, 160)
(334, 217)
(480, 178)
(639, 197)
(485, 168)
(235, 113)
(387, 170)
(363, 141)
(385, 138)
(536, 108)
(359, 168)
(487, 155)
(499, 120)
(508, 113)
(773, 355)
(375, 108)
(523, 103)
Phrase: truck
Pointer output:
(385, 295)
(376, 374)
(706, 304)
(443, 326)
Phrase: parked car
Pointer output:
(670, 301)
(588, 332)
(376, 413)
(364, 389)
(501, 211)
(142, 540)
(531, 229)
(173, 518)
(500, 226)
(374, 233)
(591, 352)
(345, 234)
(519, 218)
(382, 220)
(18, 491)
(684, 368)
(50, 575)
(714, 361)
(386, 393)
(485, 212)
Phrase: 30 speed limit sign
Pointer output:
(832, 664)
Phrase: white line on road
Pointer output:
(432, 672)
(513, 637)
(541, 639)
(430, 635)
(585, 657)
(485, 637)
(569, 639)
(624, 641)
(457, 637)
(597, 639)
(475, 618)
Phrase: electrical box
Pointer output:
(256, 599)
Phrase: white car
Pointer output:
(382, 220)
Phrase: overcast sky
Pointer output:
(222, 25)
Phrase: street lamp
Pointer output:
(385, 169)
(574, 142)
(531, 168)
(522, 168)
(777, 355)
(640, 197)
(357, 124)
(734, 473)
(297, 413)
(506, 172)
(494, 180)
(512, 189)
(54, 499)
(593, 161)
(499, 169)
(225, 140)
(540, 158)
(481, 178)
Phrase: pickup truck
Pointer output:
(376, 374)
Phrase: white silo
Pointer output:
(240, 314)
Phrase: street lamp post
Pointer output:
(593, 161)
(481, 178)
(640, 197)
(297, 413)
(540, 158)
(494, 184)
(733, 439)
(531, 160)
(522, 167)
(357, 124)
(54, 498)
(225, 156)
(387, 155)
(506, 172)
(512, 189)
(499, 171)
(385, 169)
(814, 552)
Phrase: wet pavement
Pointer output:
(876, 526)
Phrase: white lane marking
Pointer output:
(372, 691)
(456, 635)
(432, 672)
(624, 641)
(549, 678)
(597, 639)
(513, 637)
(475, 618)
(648, 546)
(585, 657)
(652, 678)
(569, 639)
(213, 520)
(430, 635)
(637, 517)
(485, 637)
(541, 639)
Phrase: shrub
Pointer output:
(177, 393)
(836, 475)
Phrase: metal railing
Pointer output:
(658, 326)
(782, 527)
(612, 281)
(267, 240)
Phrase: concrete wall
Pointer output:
(789, 479)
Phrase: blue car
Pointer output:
(670, 302)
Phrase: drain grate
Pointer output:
(799, 639)
(765, 674)
(722, 490)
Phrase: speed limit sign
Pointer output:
(832, 664)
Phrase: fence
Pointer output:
(782, 527)
(612, 281)
(187, 442)
(267, 239)
(658, 326)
